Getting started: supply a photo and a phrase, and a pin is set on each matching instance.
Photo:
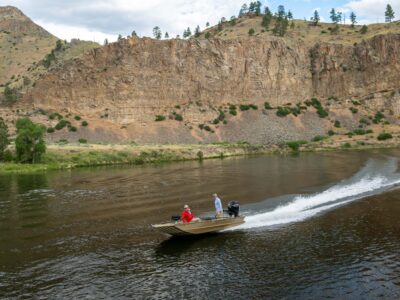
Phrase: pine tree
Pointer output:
(134, 34)
(105, 42)
(290, 15)
(266, 21)
(119, 37)
(232, 21)
(281, 11)
(187, 33)
(257, 8)
(243, 10)
(389, 13)
(197, 31)
(315, 19)
(333, 16)
(157, 32)
(353, 19)
(166, 36)
(208, 24)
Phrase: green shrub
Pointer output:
(82, 141)
(8, 156)
(364, 29)
(84, 123)
(364, 121)
(4, 140)
(319, 138)
(331, 132)
(201, 126)
(355, 102)
(353, 110)
(337, 124)
(215, 121)
(369, 131)
(378, 117)
(52, 116)
(244, 107)
(359, 132)
(251, 31)
(78, 118)
(72, 128)
(283, 111)
(346, 145)
(253, 106)
(159, 118)
(60, 125)
(221, 115)
(178, 117)
(267, 105)
(207, 128)
(50, 130)
(29, 144)
(322, 112)
(233, 112)
(295, 145)
(384, 136)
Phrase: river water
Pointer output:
(318, 225)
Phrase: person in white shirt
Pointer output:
(218, 206)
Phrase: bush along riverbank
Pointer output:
(68, 156)
(29, 152)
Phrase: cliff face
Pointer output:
(22, 43)
(128, 83)
(367, 68)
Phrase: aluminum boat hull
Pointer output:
(201, 226)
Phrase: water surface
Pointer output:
(317, 225)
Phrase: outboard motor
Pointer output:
(233, 208)
(175, 218)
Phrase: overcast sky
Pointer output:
(100, 19)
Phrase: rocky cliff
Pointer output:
(230, 87)
(122, 87)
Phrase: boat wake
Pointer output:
(375, 177)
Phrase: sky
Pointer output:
(96, 20)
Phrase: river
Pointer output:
(318, 225)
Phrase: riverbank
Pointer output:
(68, 156)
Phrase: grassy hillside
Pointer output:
(301, 29)
(24, 47)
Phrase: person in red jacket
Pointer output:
(187, 215)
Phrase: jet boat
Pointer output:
(199, 226)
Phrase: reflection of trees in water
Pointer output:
(26, 183)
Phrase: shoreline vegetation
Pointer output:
(69, 156)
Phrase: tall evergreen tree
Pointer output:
(134, 34)
(333, 15)
(157, 32)
(290, 15)
(197, 31)
(353, 18)
(389, 13)
(257, 8)
(166, 36)
(266, 20)
(281, 11)
(208, 24)
(267, 11)
(243, 10)
(105, 42)
(315, 18)
(187, 33)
